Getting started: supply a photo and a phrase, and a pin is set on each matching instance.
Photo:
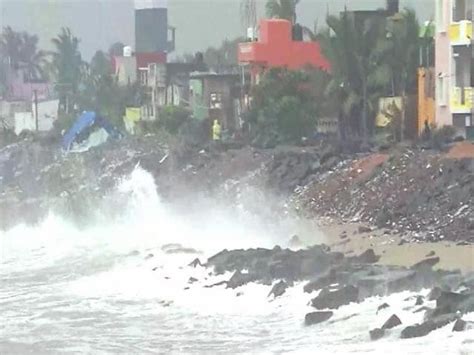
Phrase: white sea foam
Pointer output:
(112, 288)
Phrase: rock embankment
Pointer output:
(340, 281)
(422, 195)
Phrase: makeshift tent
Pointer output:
(83, 123)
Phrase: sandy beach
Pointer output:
(392, 252)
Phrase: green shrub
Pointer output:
(442, 136)
(284, 108)
(171, 118)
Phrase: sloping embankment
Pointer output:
(423, 195)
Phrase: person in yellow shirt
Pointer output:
(216, 131)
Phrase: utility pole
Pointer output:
(36, 109)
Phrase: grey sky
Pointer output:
(200, 23)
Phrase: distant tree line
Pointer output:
(371, 57)
(80, 85)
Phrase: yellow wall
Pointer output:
(456, 99)
(426, 101)
(460, 31)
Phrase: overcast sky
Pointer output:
(199, 23)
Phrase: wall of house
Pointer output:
(443, 64)
(426, 98)
(225, 114)
(197, 101)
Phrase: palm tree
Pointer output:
(32, 60)
(10, 46)
(401, 53)
(20, 51)
(283, 9)
(357, 73)
(66, 64)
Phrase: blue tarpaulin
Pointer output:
(86, 120)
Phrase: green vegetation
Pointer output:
(285, 106)
(371, 57)
(67, 68)
(172, 118)
(283, 9)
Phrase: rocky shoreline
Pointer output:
(422, 195)
(402, 196)
(336, 280)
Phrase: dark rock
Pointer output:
(419, 330)
(195, 263)
(155, 268)
(431, 253)
(427, 263)
(376, 334)
(149, 256)
(317, 317)
(450, 302)
(367, 257)
(239, 279)
(392, 322)
(364, 229)
(434, 293)
(423, 309)
(343, 236)
(402, 242)
(220, 283)
(382, 306)
(460, 325)
(278, 289)
(186, 288)
(419, 301)
(335, 299)
(330, 163)
(192, 280)
(325, 280)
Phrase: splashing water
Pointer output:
(114, 288)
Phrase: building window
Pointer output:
(144, 77)
(441, 90)
(216, 100)
(462, 10)
(440, 16)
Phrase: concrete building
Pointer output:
(279, 45)
(454, 64)
(216, 96)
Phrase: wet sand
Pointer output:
(452, 256)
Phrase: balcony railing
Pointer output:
(460, 33)
(462, 99)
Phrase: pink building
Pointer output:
(19, 89)
(454, 61)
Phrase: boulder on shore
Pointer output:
(317, 317)
(334, 299)
(420, 330)
(278, 289)
(376, 334)
(392, 322)
(426, 263)
(367, 257)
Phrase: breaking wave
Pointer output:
(123, 287)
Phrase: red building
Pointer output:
(276, 48)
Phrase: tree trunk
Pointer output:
(402, 130)
(365, 132)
